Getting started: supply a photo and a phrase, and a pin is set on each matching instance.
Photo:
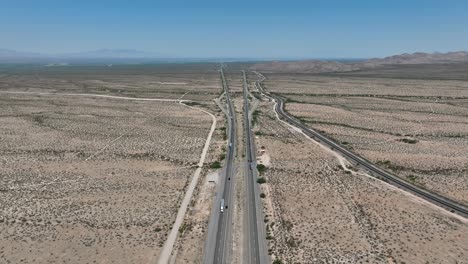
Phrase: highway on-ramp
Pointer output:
(374, 170)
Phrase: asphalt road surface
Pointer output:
(219, 240)
(255, 230)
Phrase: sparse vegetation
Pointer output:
(95, 166)
(222, 156)
(306, 212)
(261, 180)
(255, 115)
(261, 168)
(377, 115)
(191, 103)
(412, 178)
(409, 140)
(216, 165)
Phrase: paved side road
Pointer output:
(374, 170)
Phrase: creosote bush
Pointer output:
(261, 168)
(216, 165)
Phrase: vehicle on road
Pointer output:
(222, 206)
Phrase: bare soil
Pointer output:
(317, 211)
(87, 179)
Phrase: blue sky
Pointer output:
(226, 28)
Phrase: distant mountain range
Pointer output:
(420, 58)
(318, 66)
(112, 53)
(306, 66)
(14, 53)
(16, 56)
(12, 56)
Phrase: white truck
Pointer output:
(222, 206)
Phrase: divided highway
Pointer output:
(364, 163)
(255, 230)
(218, 244)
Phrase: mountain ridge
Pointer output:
(300, 66)
(319, 66)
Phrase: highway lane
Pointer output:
(374, 170)
(219, 240)
(256, 250)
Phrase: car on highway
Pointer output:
(222, 206)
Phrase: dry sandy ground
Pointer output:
(235, 81)
(192, 235)
(318, 213)
(416, 129)
(86, 180)
(191, 241)
(171, 82)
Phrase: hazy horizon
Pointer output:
(217, 29)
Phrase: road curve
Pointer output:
(374, 170)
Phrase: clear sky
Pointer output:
(237, 28)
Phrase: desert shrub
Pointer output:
(216, 165)
(182, 228)
(261, 168)
(409, 140)
(291, 242)
(412, 178)
(262, 195)
(192, 103)
(255, 117)
(261, 180)
(38, 119)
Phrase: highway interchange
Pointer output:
(218, 247)
(373, 170)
